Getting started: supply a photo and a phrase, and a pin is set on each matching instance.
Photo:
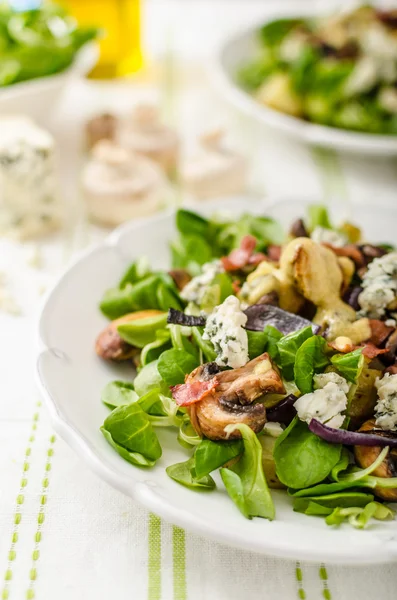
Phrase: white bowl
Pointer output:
(242, 47)
(37, 98)
(71, 378)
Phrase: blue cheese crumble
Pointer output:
(328, 236)
(225, 329)
(195, 290)
(379, 286)
(327, 402)
(386, 407)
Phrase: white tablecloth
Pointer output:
(64, 534)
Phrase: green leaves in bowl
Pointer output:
(129, 431)
(245, 481)
(303, 459)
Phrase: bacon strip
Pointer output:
(371, 351)
(186, 394)
(243, 256)
(379, 331)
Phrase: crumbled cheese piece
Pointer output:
(380, 286)
(390, 322)
(327, 402)
(322, 379)
(328, 236)
(195, 289)
(386, 407)
(225, 329)
(273, 429)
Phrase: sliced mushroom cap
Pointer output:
(110, 346)
(232, 400)
(366, 455)
(181, 277)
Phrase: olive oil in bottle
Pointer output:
(121, 44)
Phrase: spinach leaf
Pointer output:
(216, 293)
(272, 336)
(174, 364)
(206, 347)
(190, 250)
(341, 465)
(147, 293)
(190, 222)
(325, 505)
(310, 359)
(349, 365)
(302, 458)
(140, 332)
(287, 348)
(135, 458)
(273, 33)
(118, 393)
(247, 487)
(234, 486)
(136, 271)
(210, 455)
(152, 351)
(184, 473)
(161, 410)
(181, 342)
(318, 217)
(117, 303)
(325, 489)
(256, 343)
(149, 378)
(130, 432)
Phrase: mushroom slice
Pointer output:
(248, 383)
(366, 455)
(231, 401)
(181, 277)
(110, 346)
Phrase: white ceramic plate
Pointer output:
(242, 47)
(38, 97)
(71, 378)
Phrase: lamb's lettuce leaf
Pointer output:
(310, 359)
(129, 431)
(184, 473)
(211, 455)
(302, 458)
(245, 481)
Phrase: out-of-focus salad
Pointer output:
(39, 42)
(339, 71)
(273, 358)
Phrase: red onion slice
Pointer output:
(350, 438)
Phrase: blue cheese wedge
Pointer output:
(194, 291)
(327, 402)
(328, 236)
(225, 329)
(28, 200)
(380, 286)
(386, 407)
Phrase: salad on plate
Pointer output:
(339, 70)
(271, 355)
